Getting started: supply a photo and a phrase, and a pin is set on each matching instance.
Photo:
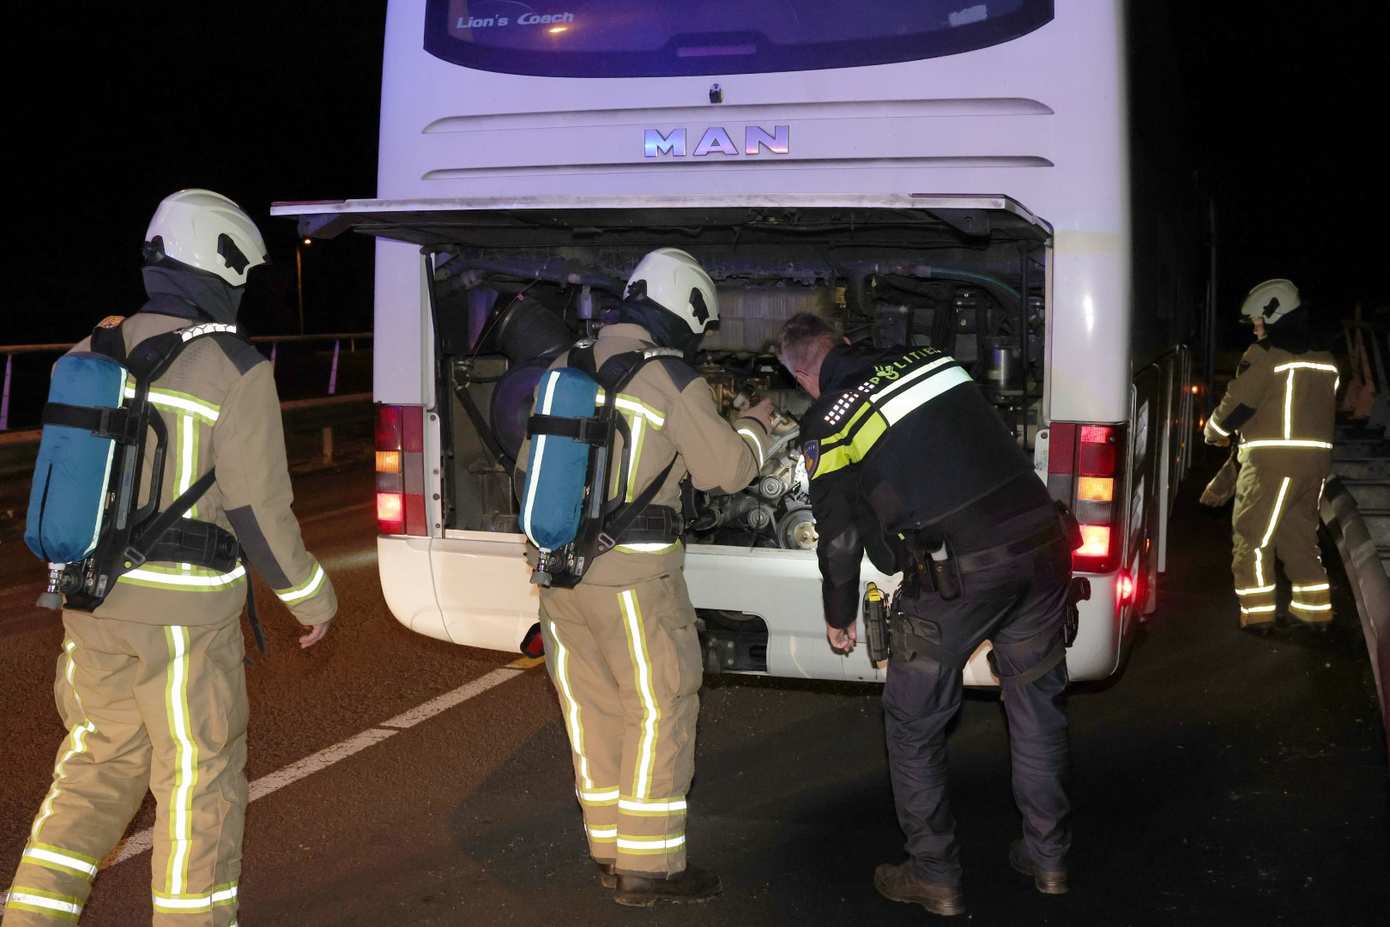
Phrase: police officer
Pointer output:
(1283, 405)
(910, 463)
(622, 647)
(150, 685)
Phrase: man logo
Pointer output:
(717, 140)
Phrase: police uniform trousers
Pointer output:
(1020, 606)
(625, 661)
(145, 706)
(1276, 518)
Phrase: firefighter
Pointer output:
(1282, 404)
(621, 646)
(151, 685)
(910, 464)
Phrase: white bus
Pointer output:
(953, 173)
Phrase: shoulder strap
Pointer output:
(108, 340)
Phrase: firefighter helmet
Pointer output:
(676, 282)
(207, 231)
(1270, 301)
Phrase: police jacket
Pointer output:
(904, 440)
(219, 402)
(672, 416)
(1282, 401)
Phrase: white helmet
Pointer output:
(1271, 301)
(208, 231)
(676, 282)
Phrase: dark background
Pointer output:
(114, 106)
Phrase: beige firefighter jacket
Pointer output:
(219, 401)
(671, 413)
(1280, 403)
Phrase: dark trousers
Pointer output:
(1020, 607)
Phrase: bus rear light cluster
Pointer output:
(400, 470)
(1085, 465)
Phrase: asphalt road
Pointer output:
(1220, 779)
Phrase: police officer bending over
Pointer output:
(910, 463)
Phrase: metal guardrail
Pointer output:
(10, 351)
(1369, 583)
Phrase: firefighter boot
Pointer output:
(642, 890)
(900, 883)
(606, 876)
(1047, 881)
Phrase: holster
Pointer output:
(926, 570)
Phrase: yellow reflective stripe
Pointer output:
(1279, 442)
(1256, 609)
(1278, 509)
(1307, 607)
(78, 734)
(1305, 365)
(1316, 587)
(599, 797)
(195, 579)
(1259, 567)
(667, 806)
(859, 413)
(174, 400)
(572, 719)
(39, 901)
(1218, 429)
(1255, 590)
(1288, 406)
(755, 442)
(644, 845)
(634, 456)
(186, 761)
(179, 903)
(864, 439)
(636, 406)
(53, 858)
(642, 671)
(304, 590)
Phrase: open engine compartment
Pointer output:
(509, 291)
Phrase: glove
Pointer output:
(1222, 486)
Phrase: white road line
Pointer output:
(141, 842)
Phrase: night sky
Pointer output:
(122, 104)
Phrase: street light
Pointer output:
(299, 276)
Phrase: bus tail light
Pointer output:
(1085, 466)
(400, 470)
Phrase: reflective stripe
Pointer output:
(197, 580)
(1218, 429)
(186, 760)
(1256, 609)
(78, 733)
(908, 400)
(1305, 365)
(310, 587)
(177, 903)
(652, 807)
(1255, 590)
(638, 407)
(533, 479)
(43, 854)
(209, 328)
(1274, 516)
(893, 387)
(572, 721)
(651, 715)
(1288, 406)
(1304, 606)
(757, 444)
(36, 899)
(645, 547)
(180, 402)
(1279, 442)
(1259, 566)
(1316, 587)
(651, 844)
(603, 834)
(634, 454)
(599, 797)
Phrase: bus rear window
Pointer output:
(658, 38)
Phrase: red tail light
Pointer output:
(400, 470)
(1124, 588)
(1085, 465)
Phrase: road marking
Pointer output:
(143, 841)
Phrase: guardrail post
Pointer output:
(5, 394)
(327, 444)
(274, 347)
(333, 372)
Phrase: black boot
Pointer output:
(606, 876)
(900, 883)
(692, 884)
(1048, 881)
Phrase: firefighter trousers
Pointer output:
(146, 706)
(626, 666)
(1020, 607)
(1276, 517)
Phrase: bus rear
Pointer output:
(947, 174)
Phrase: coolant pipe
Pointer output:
(858, 273)
(459, 272)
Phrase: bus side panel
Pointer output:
(403, 359)
(407, 584)
(483, 585)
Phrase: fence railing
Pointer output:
(11, 351)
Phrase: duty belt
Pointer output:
(656, 524)
(976, 561)
(197, 542)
